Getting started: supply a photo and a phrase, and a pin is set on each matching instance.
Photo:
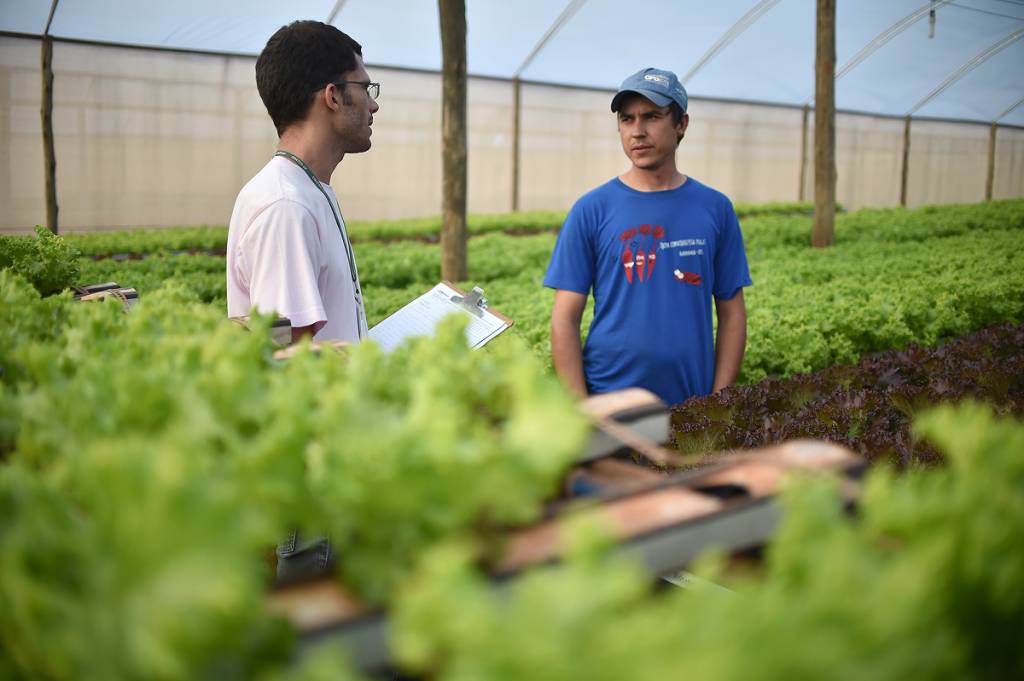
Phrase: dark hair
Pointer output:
(300, 59)
(677, 113)
(677, 117)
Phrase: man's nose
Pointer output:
(374, 106)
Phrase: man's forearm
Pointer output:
(567, 356)
(298, 332)
(729, 346)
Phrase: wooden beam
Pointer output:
(905, 171)
(453, 134)
(823, 231)
(517, 114)
(801, 190)
(991, 176)
(49, 152)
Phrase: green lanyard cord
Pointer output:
(341, 230)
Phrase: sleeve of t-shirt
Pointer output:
(731, 270)
(571, 267)
(281, 252)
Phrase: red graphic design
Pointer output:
(640, 250)
(689, 278)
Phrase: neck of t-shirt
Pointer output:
(651, 184)
(326, 185)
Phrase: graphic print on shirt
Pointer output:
(686, 248)
(640, 251)
(688, 277)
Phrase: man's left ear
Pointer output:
(332, 97)
(685, 122)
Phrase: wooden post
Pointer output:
(453, 128)
(49, 153)
(990, 178)
(825, 127)
(517, 93)
(905, 172)
(801, 191)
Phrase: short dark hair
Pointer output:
(677, 113)
(677, 117)
(300, 59)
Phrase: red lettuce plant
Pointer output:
(867, 407)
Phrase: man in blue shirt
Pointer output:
(655, 247)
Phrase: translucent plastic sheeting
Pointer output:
(904, 71)
(153, 138)
(221, 26)
(760, 50)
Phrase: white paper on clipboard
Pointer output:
(421, 316)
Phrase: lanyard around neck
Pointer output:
(341, 230)
(337, 220)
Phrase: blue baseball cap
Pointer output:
(659, 86)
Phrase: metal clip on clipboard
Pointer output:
(473, 302)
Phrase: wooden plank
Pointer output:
(802, 187)
(906, 162)
(453, 134)
(517, 114)
(825, 127)
(49, 152)
(991, 176)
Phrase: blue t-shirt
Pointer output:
(653, 260)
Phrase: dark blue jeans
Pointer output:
(299, 559)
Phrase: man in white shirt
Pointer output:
(288, 251)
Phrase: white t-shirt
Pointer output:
(285, 254)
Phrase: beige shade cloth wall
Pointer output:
(948, 162)
(869, 161)
(751, 152)
(157, 138)
(1008, 182)
(142, 137)
(568, 145)
(21, 146)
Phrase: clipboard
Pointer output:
(420, 317)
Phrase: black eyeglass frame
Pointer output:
(372, 89)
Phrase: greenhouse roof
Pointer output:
(892, 59)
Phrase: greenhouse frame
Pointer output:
(156, 118)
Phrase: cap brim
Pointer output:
(656, 97)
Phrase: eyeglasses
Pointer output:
(372, 89)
